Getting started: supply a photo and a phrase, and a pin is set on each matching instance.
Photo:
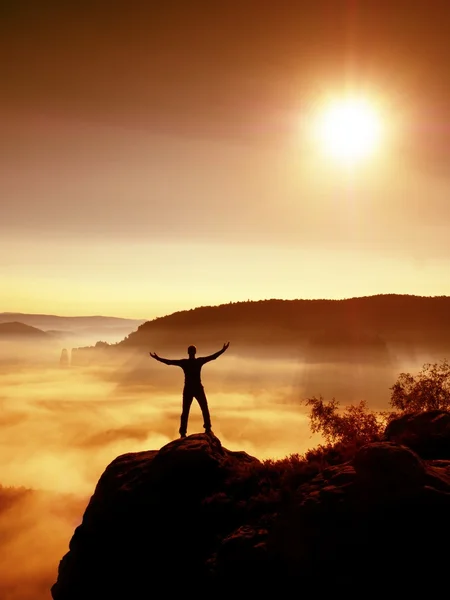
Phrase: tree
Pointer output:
(428, 390)
(356, 424)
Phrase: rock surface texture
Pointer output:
(195, 518)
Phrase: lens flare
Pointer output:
(349, 129)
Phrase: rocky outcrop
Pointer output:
(427, 433)
(195, 517)
(64, 358)
(377, 522)
(145, 525)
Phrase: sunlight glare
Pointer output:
(349, 129)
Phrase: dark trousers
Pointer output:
(188, 395)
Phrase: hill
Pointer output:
(194, 516)
(368, 327)
(83, 330)
(56, 322)
(16, 330)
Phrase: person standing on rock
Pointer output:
(193, 387)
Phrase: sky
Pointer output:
(157, 156)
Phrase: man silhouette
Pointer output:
(193, 387)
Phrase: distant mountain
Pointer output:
(21, 331)
(351, 328)
(69, 324)
(77, 331)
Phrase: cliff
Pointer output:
(197, 518)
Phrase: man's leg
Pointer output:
(201, 398)
(187, 401)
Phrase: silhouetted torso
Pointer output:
(191, 368)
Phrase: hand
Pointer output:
(154, 355)
(225, 346)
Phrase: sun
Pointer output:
(349, 129)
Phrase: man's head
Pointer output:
(191, 351)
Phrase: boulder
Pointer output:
(427, 433)
(388, 467)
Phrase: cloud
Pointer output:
(127, 432)
(34, 532)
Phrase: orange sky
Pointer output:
(153, 160)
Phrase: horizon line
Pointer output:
(98, 316)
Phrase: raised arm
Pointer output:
(206, 359)
(166, 361)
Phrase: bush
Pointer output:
(429, 390)
(355, 425)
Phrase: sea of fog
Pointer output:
(60, 428)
